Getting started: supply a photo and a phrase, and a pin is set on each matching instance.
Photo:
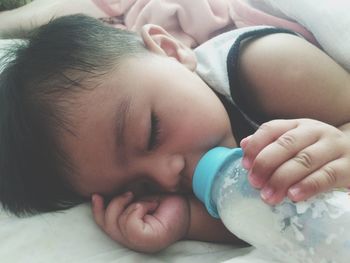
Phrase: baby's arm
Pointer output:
(287, 78)
(153, 223)
(204, 227)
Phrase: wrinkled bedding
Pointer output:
(73, 237)
(325, 23)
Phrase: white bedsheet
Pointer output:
(72, 236)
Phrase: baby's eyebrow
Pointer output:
(123, 110)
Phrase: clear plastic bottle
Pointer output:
(312, 231)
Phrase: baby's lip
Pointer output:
(186, 178)
(185, 185)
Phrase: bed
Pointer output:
(72, 236)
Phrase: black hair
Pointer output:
(42, 76)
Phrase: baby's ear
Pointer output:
(159, 41)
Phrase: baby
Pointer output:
(89, 111)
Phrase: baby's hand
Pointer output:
(296, 158)
(146, 225)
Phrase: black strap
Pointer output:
(243, 124)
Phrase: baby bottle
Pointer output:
(312, 231)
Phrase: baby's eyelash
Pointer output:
(153, 140)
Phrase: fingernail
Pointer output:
(295, 192)
(246, 163)
(267, 192)
(244, 142)
(93, 198)
(254, 180)
(128, 194)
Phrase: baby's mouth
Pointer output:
(185, 185)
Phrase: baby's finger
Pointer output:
(114, 210)
(297, 168)
(98, 209)
(244, 142)
(267, 133)
(139, 209)
(133, 221)
(325, 178)
(278, 152)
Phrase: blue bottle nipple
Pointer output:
(206, 170)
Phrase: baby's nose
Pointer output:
(168, 172)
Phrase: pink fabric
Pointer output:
(105, 7)
(194, 21)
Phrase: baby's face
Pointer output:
(144, 129)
